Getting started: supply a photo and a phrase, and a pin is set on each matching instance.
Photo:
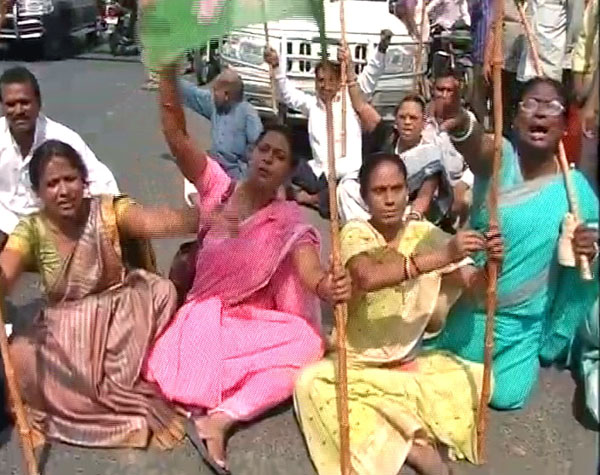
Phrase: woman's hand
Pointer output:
(335, 287)
(494, 245)
(585, 242)
(465, 243)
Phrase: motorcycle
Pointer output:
(118, 21)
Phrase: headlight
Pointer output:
(245, 48)
(38, 6)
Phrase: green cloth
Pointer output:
(170, 27)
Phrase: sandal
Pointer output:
(217, 466)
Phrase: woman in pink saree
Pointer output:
(251, 320)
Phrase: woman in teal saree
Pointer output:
(541, 303)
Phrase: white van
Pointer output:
(298, 44)
(48, 23)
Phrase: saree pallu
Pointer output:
(80, 362)
(541, 304)
(398, 396)
(248, 324)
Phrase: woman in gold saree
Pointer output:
(79, 364)
(402, 401)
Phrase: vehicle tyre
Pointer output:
(55, 42)
(53, 47)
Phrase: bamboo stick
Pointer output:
(418, 81)
(344, 77)
(340, 310)
(271, 69)
(584, 265)
(16, 401)
(492, 266)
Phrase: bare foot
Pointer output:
(213, 429)
(427, 461)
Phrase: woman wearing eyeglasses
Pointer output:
(541, 303)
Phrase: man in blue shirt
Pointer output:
(235, 122)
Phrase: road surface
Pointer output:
(99, 97)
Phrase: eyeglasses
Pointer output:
(531, 106)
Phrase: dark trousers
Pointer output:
(305, 178)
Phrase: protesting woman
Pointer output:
(402, 400)
(80, 363)
(251, 320)
(542, 299)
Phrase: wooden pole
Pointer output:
(492, 266)
(418, 81)
(340, 310)
(344, 76)
(584, 265)
(271, 70)
(15, 398)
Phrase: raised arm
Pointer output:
(157, 222)
(291, 96)
(190, 158)
(367, 80)
(196, 99)
(367, 114)
(466, 133)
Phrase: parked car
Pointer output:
(297, 41)
(48, 24)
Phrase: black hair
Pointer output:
(46, 152)
(20, 75)
(287, 134)
(416, 98)
(333, 65)
(558, 87)
(446, 72)
(371, 162)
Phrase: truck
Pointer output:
(48, 24)
(299, 46)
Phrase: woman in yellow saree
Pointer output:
(402, 401)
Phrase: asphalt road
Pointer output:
(100, 98)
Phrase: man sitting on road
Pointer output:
(23, 129)
(235, 122)
(311, 176)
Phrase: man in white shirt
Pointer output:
(311, 176)
(22, 129)
(549, 24)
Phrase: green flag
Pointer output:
(170, 27)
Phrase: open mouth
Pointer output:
(538, 132)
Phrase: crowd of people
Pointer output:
(120, 356)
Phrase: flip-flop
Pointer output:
(198, 443)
